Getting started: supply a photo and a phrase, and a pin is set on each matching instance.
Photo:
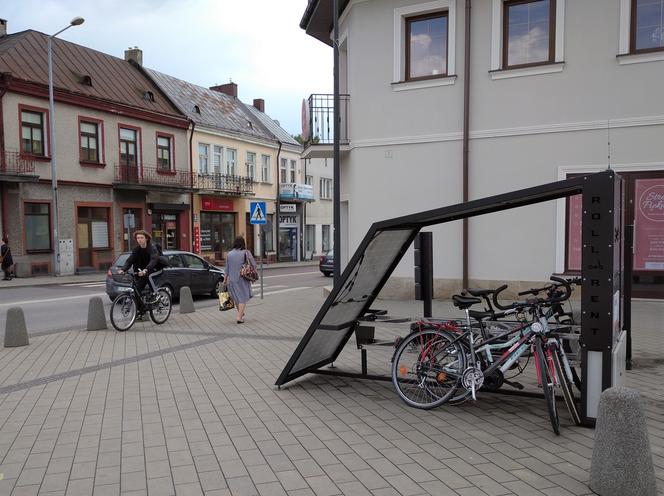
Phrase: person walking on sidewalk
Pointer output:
(6, 260)
(238, 286)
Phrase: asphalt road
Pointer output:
(65, 306)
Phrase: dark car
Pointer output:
(186, 269)
(326, 264)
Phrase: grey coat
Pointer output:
(238, 287)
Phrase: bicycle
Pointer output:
(448, 359)
(129, 305)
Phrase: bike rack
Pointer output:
(604, 338)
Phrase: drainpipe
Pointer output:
(191, 169)
(466, 118)
(276, 214)
(337, 129)
(3, 160)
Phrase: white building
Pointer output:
(319, 233)
(556, 88)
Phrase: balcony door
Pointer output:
(129, 155)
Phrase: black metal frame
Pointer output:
(602, 260)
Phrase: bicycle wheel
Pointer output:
(546, 378)
(427, 368)
(123, 312)
(565, 383)
(161, 310)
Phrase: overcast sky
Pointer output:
(256, 43)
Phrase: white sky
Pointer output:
(256, 43)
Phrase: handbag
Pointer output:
(248, 271)
(225, 300)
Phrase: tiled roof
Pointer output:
(24, 55)
(217, 110)
(274, 127)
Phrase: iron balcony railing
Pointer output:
(15, 164)
(153, 176)
(321, 120)
(225, 183)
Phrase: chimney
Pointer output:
(259, 103)
(229, 88)
(3, 27)
(135, 54)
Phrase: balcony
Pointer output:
(224, 184)
(17, 168)
(294, 192)
(318, 125)
(144, 177)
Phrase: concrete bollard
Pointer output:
(96, 315)
(622, 460)
(186, 301)
(16, 333)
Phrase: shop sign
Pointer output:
(296, 191)
(649, 224)
(574, 240)
(197, 240)
(287, 208)
(288, 221)
(210, 203)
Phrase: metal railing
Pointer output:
(321, 119)
(225, 183)
(14, 163)
(153, 176)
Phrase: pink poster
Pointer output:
(649, 224)
(574, 207)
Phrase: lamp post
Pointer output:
(76, 21)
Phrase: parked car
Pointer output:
(326, 264)
(186, 269)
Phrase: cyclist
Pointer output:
(145, 260)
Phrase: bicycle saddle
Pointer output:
(463, 302)
(480, 291)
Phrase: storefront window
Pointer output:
(269, 233)
(326, 238)
(217, 231)
(37, 226)
(165, 230)
(310, 240)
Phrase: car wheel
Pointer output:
(327, 274)
(217, 288)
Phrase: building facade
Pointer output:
(555, 88)
(121, 157)
(319, 234)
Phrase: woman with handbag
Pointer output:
(6, 260)
(240, 273)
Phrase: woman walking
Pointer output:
(6, 260)
(238, 286)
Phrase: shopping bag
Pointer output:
(225, 300)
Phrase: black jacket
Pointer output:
(143, 258)
(6, 254)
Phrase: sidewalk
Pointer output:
(190, 407)
(101, 276)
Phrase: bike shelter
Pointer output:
(604, 339)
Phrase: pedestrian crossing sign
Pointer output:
(257, 213)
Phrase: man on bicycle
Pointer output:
(145, 261)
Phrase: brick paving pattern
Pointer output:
(190, 408)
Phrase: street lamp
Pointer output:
(76, 21)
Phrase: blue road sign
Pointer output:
(257, 213)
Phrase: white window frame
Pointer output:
(265, 168)
(399, 53)
(251, 166)
(283, 171)
(326, 190)
(624, 55)
(293, 171)
(309, 180)
(231, 161)
(217, 155)
(497, 71)
(206, 156)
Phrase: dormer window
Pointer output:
(149, 96)
(86, 80)
(250, 124)
(197, 109)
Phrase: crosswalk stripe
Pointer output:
(286, 290)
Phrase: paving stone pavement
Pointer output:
(190, 407)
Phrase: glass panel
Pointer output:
(26, 133)
(162, 141)
(88, 127)
(127, 134)
(428, 47)
(193, 262)
(31, 117)
(528, 33)
(648, 219)
(649, 24)
(37, 226)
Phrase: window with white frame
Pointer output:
(265, 168)
(310, 239)
(283, 171)
(642, 29)
(326, 238)
(293, 166)
(309, 180)
(217, 158)
(251, 165)
(527, 37)
(203, 158)
(325, 188)
(231, 157)
(424, 44)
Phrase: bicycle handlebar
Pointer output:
(537, 301)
